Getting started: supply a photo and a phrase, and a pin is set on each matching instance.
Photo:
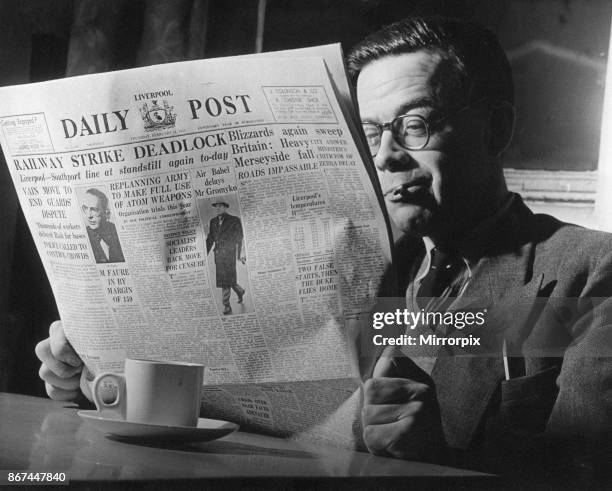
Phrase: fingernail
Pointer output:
(75, 361)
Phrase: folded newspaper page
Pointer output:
(214, 211)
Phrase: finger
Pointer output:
(70, 383)
(59, 368)
(376, 414)
(60, 394)
(60, 346)
(383, 439)
(384, 366)
(43, 349)
(86, 384)
(385, 390)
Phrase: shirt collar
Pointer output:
(424, 267)
(473, 245)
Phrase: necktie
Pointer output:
(443, 270)
(105, 247)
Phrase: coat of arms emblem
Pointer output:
(158, 117)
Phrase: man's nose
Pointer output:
(391, 156)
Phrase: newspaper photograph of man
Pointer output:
(225, 238)
(101, 231)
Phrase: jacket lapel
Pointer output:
(502, 282)
(466, 381)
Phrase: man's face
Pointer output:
(95, 214)
(438, 190)
(220, 209)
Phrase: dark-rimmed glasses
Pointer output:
(411, 131)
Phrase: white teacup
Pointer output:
(154, 392)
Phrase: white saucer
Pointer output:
(112, 425)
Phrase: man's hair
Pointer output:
(100, 195)
(478, 65)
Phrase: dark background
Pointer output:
(558, 49)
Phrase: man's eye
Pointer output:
(371, 132)
(414, 127)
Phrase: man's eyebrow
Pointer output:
(421, 102)
(415, 104)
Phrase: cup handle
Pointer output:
(118, 405)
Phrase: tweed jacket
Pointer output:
(547, 285)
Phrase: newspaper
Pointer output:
(214, 211)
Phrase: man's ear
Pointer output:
(501, 124)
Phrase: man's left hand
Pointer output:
(400, 415)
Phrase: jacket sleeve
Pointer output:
(239, 238)
(117, 252)
(210, 239)
(583, 408)
(574, 442)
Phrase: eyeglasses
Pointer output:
(92, 209)
(411, 131)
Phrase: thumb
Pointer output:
(385, 367)
(86, 383)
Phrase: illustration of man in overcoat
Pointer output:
(225, 238)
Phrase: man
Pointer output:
(102, 233)
(436, 99)
(225, 235)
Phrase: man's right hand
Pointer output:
(401, 416)
(61, 367)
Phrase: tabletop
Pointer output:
(38, 434)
